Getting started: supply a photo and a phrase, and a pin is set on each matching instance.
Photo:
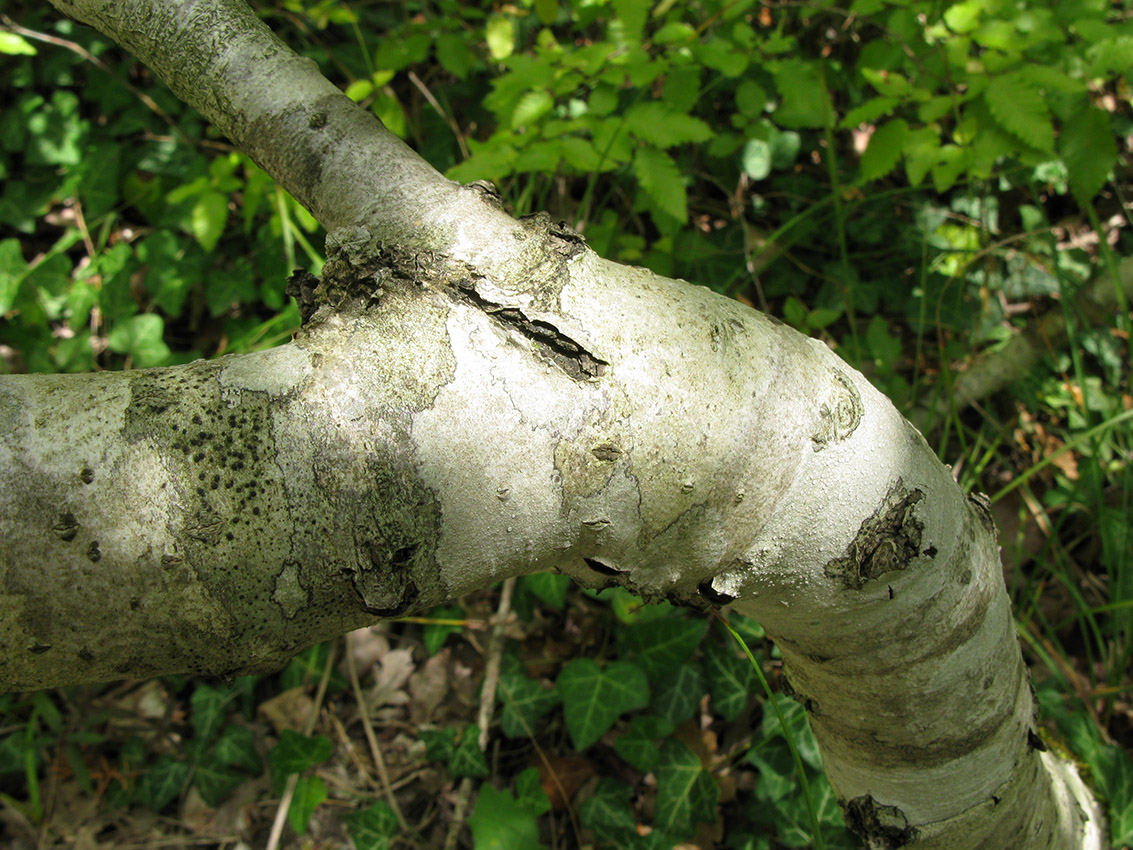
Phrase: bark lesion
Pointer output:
(888, 540)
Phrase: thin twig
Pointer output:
(293, 779)
(371, 738)
(487, 702)
(448, 119)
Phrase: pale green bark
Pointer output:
(491, 399)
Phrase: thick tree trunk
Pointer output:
(475, 397)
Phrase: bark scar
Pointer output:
(883, 827)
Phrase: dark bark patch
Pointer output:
(67, 527)
(602, 567)
(713, 595)
(882, 827)
(889, 540)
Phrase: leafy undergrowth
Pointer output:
(616, 725)
(922, 188)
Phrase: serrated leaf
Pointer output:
(1019, 107)
(951, 162)
(686, 792)
(1087, 146)
(921, 150)
(659, 176)
(500, 35)
(500, 822)
(868, 112)
(657, 123)
(675, 696)
(885, 148)
(594, 698)
(805, 100)
(372, 827)
(730, 679)
(524, 701)
(660, 646)
(531, 107)
(309, 792)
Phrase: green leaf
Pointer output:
(529, 791)
(675, 696)
(373, 827)
(921, 150)
(756, 158)
(868, 112)
(295, 753)
(524, 701)
(1087, 146)
(454, 55)
(208, 218)
(805, 100)
(885, 148)
(751, 98)
(439, 743)
(638, 746)
(1019, 107)
(656, 122)
(660, 178)
(237, 748)
(660, 646)
(499, 822)
(609, 810)
(500, 35)
(16, 45)
(215, 781)
(549, 587)
(309, 792)
(467, 757)
(594, 698)
(208, 704)
(673, 33)
(686, 792)
(531, 107)
(951, 162)
(141, 337)
(162, 782)
(547, 10)
(435, 634)
(730, 677)
(13, 270)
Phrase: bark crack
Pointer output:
(546, 340)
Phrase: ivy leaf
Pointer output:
(662, 181)
(295, 753)
(885, 148)
(551, 588)
(638, 746)
(237, 748)
(660, 646)
(686, 792)
(372, 827)
(309, 792)
(162, 782)
(467, 757)
(500, 822)
(215, 781)
(676, 695)
(594, 698)
(1019, 107)
(1088, 149)
(729, 679)
(609, 811)
(524, 701)
(208, 704)
(657, 123)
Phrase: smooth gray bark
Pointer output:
(474, 398)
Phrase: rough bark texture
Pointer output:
(473, 398)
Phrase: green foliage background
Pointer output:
(916, 184)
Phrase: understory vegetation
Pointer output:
(938, 191)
